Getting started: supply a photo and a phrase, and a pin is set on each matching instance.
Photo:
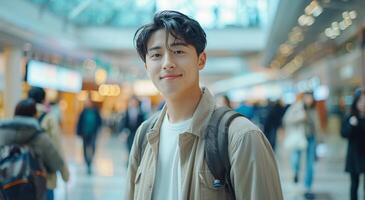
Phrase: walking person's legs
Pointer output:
(88, 152)
(311, 156)
(363, 184)
(295, 161)
(50, 194)
(354, 185)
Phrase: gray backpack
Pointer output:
(216, 143)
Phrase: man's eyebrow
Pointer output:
(179, 43)
(154, 48)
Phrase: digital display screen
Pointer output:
(46, 75)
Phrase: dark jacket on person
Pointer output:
(132, 126)
(355, 159)
(84, 127)
(274, 118)
(19, 130)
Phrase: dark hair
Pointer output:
(357, 96)
(26, 107)
(175, 23)
(37, 94)
(227, 101)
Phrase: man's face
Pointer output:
(173, 68)
(308, 99)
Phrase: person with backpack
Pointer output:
(192, 149)
(88, 127)
(27, 155)
(50, 124)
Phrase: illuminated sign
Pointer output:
(46, 75)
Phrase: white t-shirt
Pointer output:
(168, 173)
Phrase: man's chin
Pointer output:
(170, 92)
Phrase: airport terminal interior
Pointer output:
(262, 55)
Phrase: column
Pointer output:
(12, 79)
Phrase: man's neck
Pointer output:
(183, 107)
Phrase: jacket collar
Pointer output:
(200, 119)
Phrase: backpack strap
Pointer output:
(216, 143)
(142, 140)
(41, 117)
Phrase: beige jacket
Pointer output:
(254, 173)
(52, 129)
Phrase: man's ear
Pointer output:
(202, 60)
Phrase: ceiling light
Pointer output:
(353, 14)
(336, 32)
(328, 32)
(302, 20)
(100, 76)
(347, 22)
(286, 49)
(335, 25)
(305, 20)
(317, 11)
(310, 20)
(342, 25)
(346, 15)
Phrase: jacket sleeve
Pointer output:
(53, 128)
(254, 172)
(48, 153)
(346, 128)
(132, 167)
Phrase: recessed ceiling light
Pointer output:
(335, 25)
(353, 14)
(346, 15)
(342, 25)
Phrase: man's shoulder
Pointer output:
(241, 126)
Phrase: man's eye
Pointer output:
(179, 52)
(155, 55)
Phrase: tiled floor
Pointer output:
(107, 182)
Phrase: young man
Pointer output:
(173, 165)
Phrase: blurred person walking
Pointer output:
(88, 126)
(246, 110)
(302, 127)
(50, 124)
(273, 121)
(132, 119)
(24, 129)
(353, 128)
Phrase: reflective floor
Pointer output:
(108, 179)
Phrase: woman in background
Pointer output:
(353, 128)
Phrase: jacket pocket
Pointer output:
(207, 190)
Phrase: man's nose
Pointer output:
(168, 63)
